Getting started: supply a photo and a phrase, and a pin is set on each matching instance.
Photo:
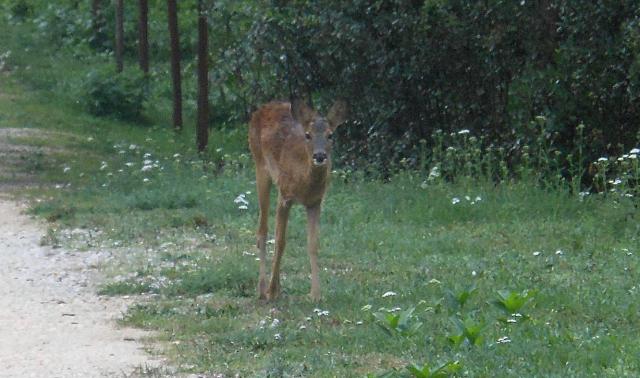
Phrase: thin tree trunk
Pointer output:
(119, 35)
(97, 23)
(202, 134)
(174, 37)
(143, 32)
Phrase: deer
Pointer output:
(291, 146)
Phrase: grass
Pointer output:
(386, 248)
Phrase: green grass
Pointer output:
(179, 235)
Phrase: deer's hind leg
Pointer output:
(263, 183)
(282, 217)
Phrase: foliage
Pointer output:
(120, 95)
(511, 302)
(408, 68)
(403, 323)
(425, 371)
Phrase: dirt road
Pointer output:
(52, 324)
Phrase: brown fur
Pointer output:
(284, 139)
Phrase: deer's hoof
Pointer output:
(315, 297)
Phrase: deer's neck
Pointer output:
(318, 179)
(318, 174)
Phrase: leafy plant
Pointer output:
(425, 371)
(403, 323)
(456, 301)
(120, 95)
(470, 332)
(511, 301)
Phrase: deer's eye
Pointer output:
(307, 135)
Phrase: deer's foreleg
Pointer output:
(313, 230)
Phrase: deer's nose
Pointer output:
(319, 157)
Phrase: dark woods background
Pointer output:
(511, 72)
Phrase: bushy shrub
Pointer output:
(122, 95)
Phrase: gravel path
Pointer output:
(51, 322)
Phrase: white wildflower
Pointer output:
(275, 323)
(277, 336)
(537, 253)
(434, 173)
(66, 169)
(463, 131)
(103, 166)
(503, 340)
(389, 294)
(146, 155)
(146, 168)
(559, 252)
(175, 156)
(320, 312)
(635, 151)
(240, 199)
(132, 146)
(633, 156)
(145, 180)
(455, 200)
(603, 159)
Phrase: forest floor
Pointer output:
(51, 320)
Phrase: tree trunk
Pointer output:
(174, 37)
(202, 134)
(119, 35)
(143, 35)
(97, 24)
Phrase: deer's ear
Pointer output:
(301, 112)
(338, 113)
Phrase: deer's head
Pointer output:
(318, 129)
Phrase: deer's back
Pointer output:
(277, 144)
(267, 127)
